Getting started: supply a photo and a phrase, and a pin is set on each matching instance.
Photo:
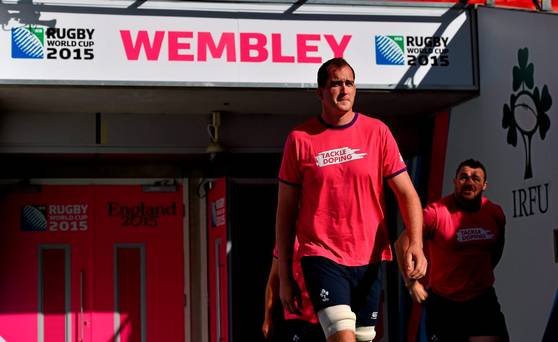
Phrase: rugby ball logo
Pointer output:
(389, 50)
(33, 218)
(27, 42)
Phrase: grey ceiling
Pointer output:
(202, 101)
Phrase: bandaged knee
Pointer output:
(336, 318)
(365, 334)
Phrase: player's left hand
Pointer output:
(417, 291)
(415, 262)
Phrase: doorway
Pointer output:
(252, 235)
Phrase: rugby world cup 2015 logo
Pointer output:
(390, 50)
(28, 42)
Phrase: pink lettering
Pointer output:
(253, 42)
(277, 56)
(253, 46)
(133, 49)
(338, 49)
(175, 45)
(206, 42)
(303, 48)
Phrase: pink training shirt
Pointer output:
(461, 246)
(307, 311)
(341, 172)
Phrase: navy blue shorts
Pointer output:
(330, 284)
(448, 320)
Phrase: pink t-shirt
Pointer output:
(307, 311)
(341, 172)
(461, 246)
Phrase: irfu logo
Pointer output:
(527, 111)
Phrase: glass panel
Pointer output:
(54, 295)
(129, 295)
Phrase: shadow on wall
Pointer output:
(21, 14)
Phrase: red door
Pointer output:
(92, 263)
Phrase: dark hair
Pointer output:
(323, 71)
(474, 164)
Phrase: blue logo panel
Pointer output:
(26, 44)
(388, 51)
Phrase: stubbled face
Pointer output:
(469, 184)
(338, 94)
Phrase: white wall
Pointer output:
(527, 277)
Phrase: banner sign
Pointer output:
(232, 49)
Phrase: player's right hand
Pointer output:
(289, 292)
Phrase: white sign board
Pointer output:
(428, 50)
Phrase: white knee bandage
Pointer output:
(337, 318)
(365, 334)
